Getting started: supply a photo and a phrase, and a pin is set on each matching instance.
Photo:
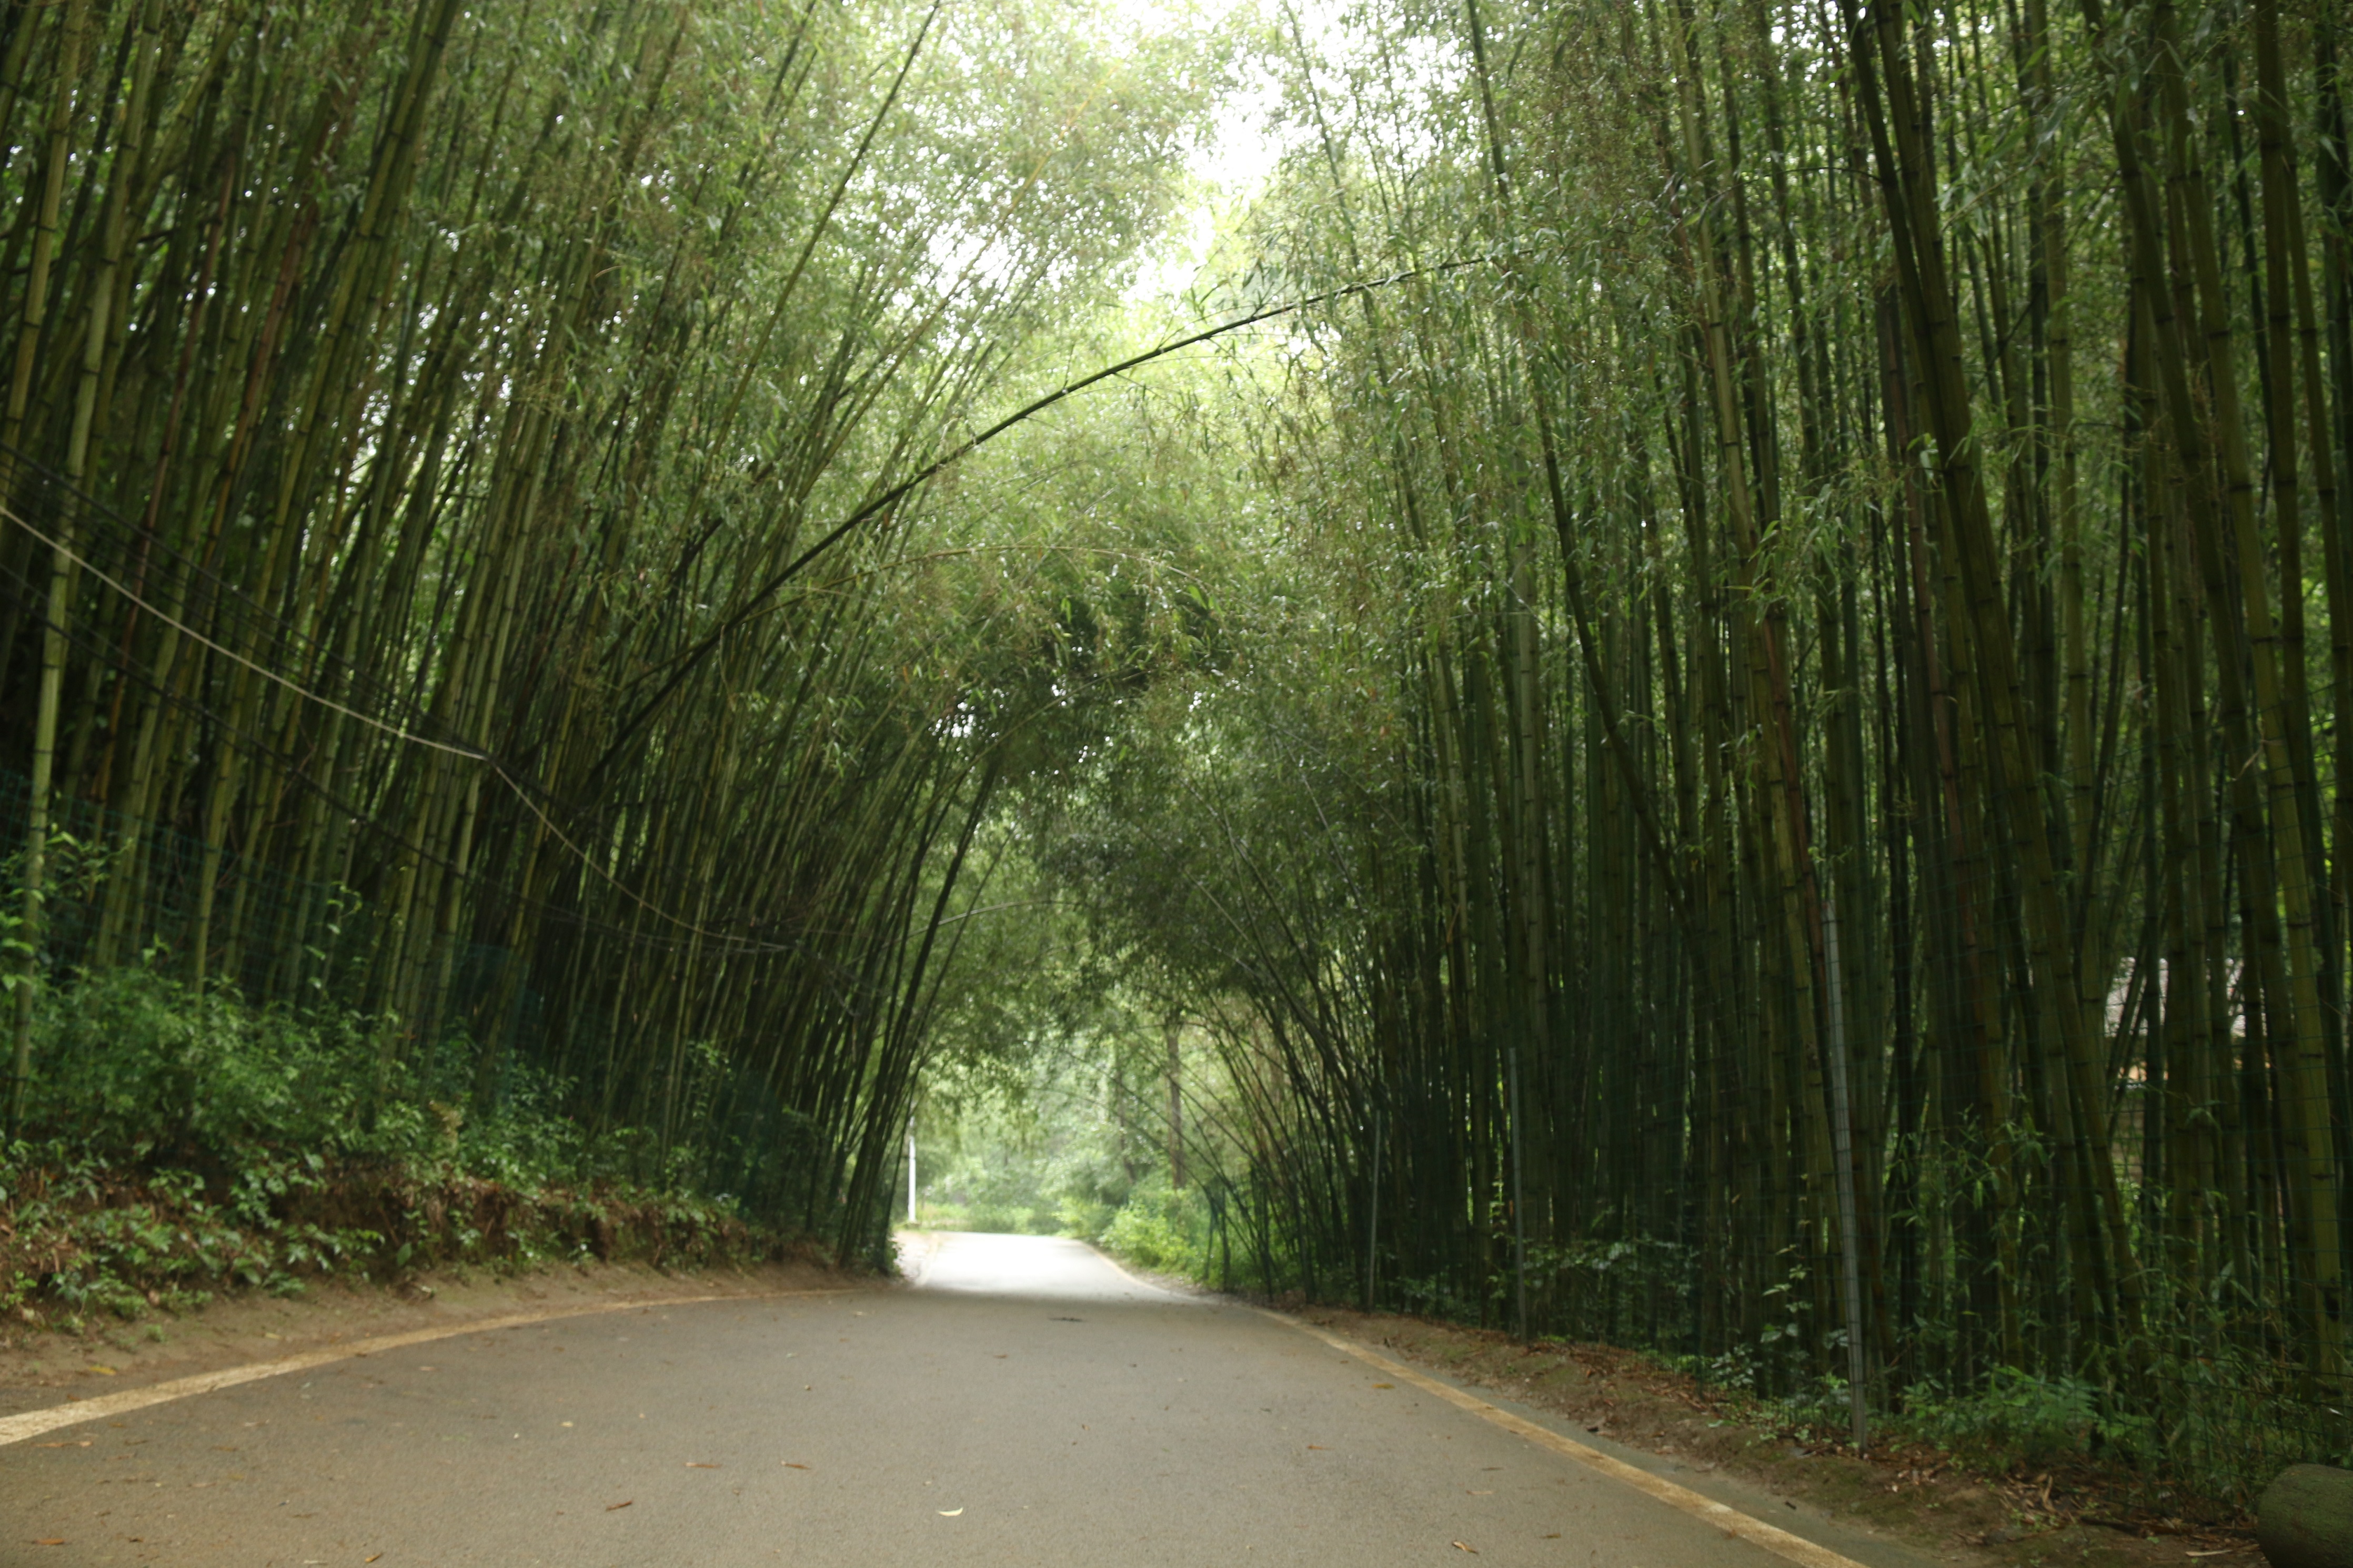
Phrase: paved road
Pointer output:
(1026, 1402)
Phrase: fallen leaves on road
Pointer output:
(83, 1443)
(1317, 1448)
(1465, 1546)
(790, 1465)
(103, 1371)
(371, 1558)
(1393, 1385)
(950, 1513)
(611, 1506)
(52, 1541)
(699, 1465)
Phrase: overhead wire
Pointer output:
(755, 604)
(729, 944)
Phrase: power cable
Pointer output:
(721, 941)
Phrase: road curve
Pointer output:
(1026, 1402)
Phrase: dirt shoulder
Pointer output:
(1919, 1498)
(42, 1367)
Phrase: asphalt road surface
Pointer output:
(1025, 1403)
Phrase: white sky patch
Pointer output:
(1399, 80)
(1228, 170)
(1235, 156)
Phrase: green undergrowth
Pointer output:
(1162, 1229)
(2059, 1449)
(179, 1146)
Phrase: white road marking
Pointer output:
(33, 1423)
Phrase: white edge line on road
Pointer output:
(33, 1423)
(1731, 1521)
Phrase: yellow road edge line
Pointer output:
(1722, 1516)
(33, 1423)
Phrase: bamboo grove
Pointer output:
(1814, 680)
(431, 432)
(1750, 758)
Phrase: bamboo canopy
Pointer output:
(1783, 792)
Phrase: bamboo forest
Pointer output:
(1674, 673)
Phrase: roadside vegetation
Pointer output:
(180, 1146)
(1936, 1480)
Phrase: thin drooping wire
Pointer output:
(753, 603)
(397, 732)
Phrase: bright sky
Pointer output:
(1233, 160)
(1243, 144)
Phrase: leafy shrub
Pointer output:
(1159, 1228)
(1082, 1216)
(182, 1144)
(2017, 1416)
